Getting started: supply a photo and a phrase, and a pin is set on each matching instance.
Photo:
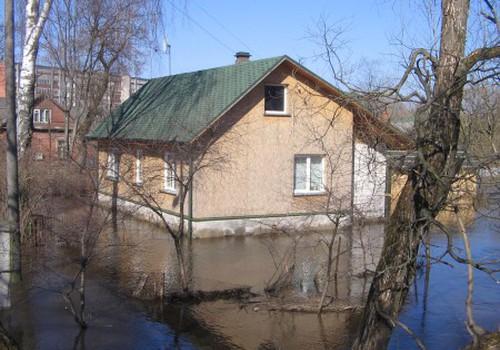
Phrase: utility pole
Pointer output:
(12, 159)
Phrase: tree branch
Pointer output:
(477, 56)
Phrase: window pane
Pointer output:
(169, 172)
(138, 167)
(46, 116)
(275, 98)
(301, 173)
(316, 174)
(36, 115)
(112, 165)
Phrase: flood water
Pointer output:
(141, 251)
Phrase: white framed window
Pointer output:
(308, 174)
(113, 164)
(36, 116)
(138, 167)
(169, 173)
(46, 116)
(41, 115)
(275, 99)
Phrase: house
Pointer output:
(245, 148)
(48, 141)
(48, 116)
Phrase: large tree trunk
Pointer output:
(428, 185)
(26, 95)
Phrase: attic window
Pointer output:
(41, 115)
(275, 99)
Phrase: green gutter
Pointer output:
(240, 217)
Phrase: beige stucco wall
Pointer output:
(127, 188)
(257, 179)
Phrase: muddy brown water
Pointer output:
(38, 318)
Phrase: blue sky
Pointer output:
(206, 33)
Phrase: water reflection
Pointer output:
(230, 262)
(141, 251)
(255, 261)
(439, 321)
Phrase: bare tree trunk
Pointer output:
(427, 187)
(34, 26)
(12, 160)
(474, 329)
(427, 268)
(329, 262)
(182, 266)
(393, 278)
(83, 266)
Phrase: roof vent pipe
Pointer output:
(242, 57)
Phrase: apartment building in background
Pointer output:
(48, 140)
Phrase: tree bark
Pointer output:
(34, 26)
(429, 182)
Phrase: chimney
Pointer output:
(242, 57)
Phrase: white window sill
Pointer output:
(299, 193)
(276, 114)
(168, 191)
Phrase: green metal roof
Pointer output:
(180, 107)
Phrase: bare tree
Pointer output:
(93, 42)
(435, 169)
(434, 81)
(70, 229)
(327, 131)
(173, 168)
(481, 121)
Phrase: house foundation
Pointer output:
(230, 226)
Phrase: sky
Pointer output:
(207, 33)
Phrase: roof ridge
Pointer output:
(228, 66)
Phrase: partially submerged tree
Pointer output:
(70, 230)
(433, 81)
(159, 178)
(430, 179)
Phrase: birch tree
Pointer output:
(36, 16)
